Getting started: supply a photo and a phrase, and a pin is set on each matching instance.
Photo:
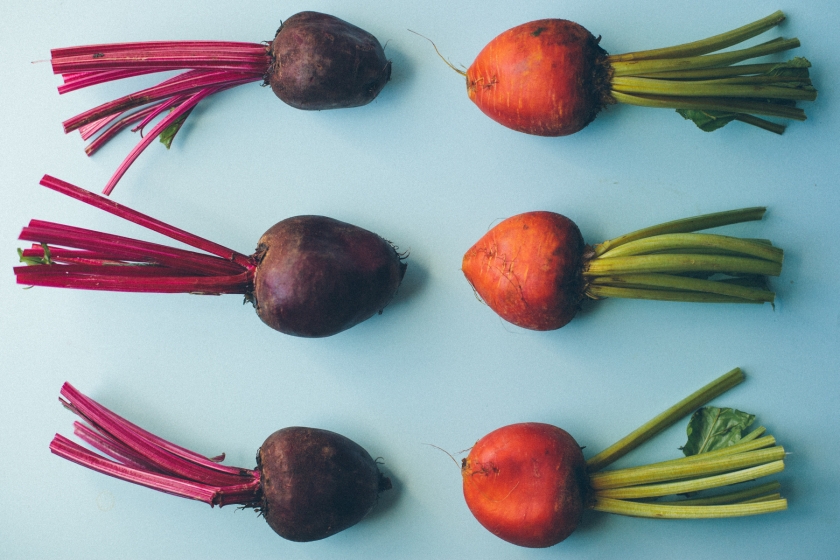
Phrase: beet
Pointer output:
(322, 62)
(554, 64)
(534, 269)
(310, 276)
(316, 61)
(529, 471)
(318, 276)
(528, 269)
(550, 77)
(308, 483)
(529, 484)
(316, 483)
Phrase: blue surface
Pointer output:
(424, 168)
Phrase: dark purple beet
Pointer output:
(316, 483)
(318, 276)
(322, 62)
(308, 483)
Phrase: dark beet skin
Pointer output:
(316, 483)
(322, 62)
(318, 276)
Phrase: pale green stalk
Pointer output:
(694, 485)
(746, 88)
(690, 241)
(664, 420)
(674, 288)
(740, 447)
(685, 225)
(667, 511)
(680, 263)
(723, 72)
(713, 104)
(733, 497)
(654, 66)
(650, 474)
(601, 292)
(709, 87)
(711, 44)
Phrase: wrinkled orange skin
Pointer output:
(526, 484)
(528, 270)
(540, 78)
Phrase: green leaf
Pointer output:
(36, 260)
(168, 135)
(707, 121)
(713, 428)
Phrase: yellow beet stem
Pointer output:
(708, 45)
(667, 511)
(707, 466)
(683, 487)
(664, 420)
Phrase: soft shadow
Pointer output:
(591, 521)
(387, 499)
(401, 69)
(415, 280)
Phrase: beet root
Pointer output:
(528, 269)
(310, 276)
(547, 77)
(322, 62)
(308, 483)
(526, 483)
(316, 483)
(318, 276)
(535, 270)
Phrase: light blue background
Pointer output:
(422, 167)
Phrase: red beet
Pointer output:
(308, 483)
(535, 270)
(529, 483)
(322, 62)
(550, 77)
(316, 61)
(311, 276)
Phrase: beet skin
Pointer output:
(316, 483)
(317, 276)
(528, 269)
(526, 483)
(547, 77)
(322, 62)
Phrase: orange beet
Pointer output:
(526, 483)
(547, 77)
(528, 269)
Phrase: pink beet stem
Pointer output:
(147, 222)
(165, 284)
(112, 448)
(160, 108)
(74, 398)
(71, 451)
(186, 83)
(181, 111)
(92, 260)
(90, 129)
(211, 66)
(127, 250)
(80, 80)
(121, 123)
(146, 459)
